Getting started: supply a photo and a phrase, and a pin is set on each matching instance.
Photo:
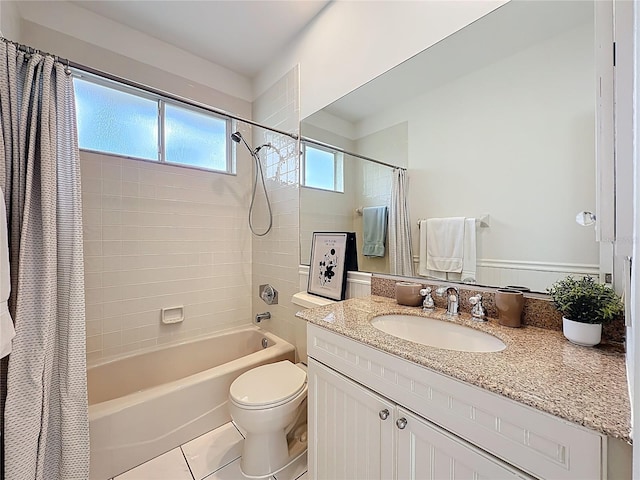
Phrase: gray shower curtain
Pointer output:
(400, 256)
(45, 422)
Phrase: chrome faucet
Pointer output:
(453, 299)
(263, 316)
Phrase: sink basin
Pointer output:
(437, 333)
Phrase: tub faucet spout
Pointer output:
(263, 316)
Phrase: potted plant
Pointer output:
(585, 305)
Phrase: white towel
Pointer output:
(422, 255)
(7, 331)
(422, 258)
(422, 248)
(445, 244)
(468, 274)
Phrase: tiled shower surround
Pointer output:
(276, 256)
(158, 236)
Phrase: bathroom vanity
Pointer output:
(383, 407)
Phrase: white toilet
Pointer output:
(269, 404)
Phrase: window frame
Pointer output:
(161, 103)
(337, 157)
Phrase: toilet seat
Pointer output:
(268, 386)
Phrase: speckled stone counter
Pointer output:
(539, 367)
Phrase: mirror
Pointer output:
(496, 122)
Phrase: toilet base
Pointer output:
(276, 459)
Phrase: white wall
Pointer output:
(627, 91)
(541, 160)
(10, 24)
(323, 211)
(482, 144)
(350, 43)
(117, 63)
(390, 144)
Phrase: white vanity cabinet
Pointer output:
(426, 452)
(360, 435)
(452, 429)
(351, 429)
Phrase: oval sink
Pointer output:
(437, 333)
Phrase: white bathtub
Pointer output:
(143, 405)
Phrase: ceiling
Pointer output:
(241, 35)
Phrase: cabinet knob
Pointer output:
(401, 423)
(383, 414)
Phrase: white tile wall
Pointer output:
(160, 236)
(276, 255)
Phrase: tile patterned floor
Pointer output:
(212, 456)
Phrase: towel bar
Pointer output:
(482, 222)
(359, 211)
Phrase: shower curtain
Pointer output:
(44, 393)
(400, 256)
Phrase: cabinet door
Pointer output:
(350, 429)
(426, 452)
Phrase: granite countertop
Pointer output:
(539, 367)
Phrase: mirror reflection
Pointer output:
(495, 125)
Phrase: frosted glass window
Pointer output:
(113, 121)
(116, 119)
(194, 138)
(322, 169)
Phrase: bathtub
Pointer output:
(143, 405)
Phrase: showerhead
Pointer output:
(237, 137)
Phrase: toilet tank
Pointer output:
(307, 300)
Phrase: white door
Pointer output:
(350, 429)
(427, 452)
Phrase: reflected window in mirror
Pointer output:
(322, 168)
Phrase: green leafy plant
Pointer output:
(584, 300)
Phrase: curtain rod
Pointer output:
(338, 149)
(146, 88)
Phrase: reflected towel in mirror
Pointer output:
(374, 231)
(445, 244)
(469, 256)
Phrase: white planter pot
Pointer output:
(585, 334)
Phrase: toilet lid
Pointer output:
(268, 384)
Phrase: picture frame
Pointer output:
(327, 269)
